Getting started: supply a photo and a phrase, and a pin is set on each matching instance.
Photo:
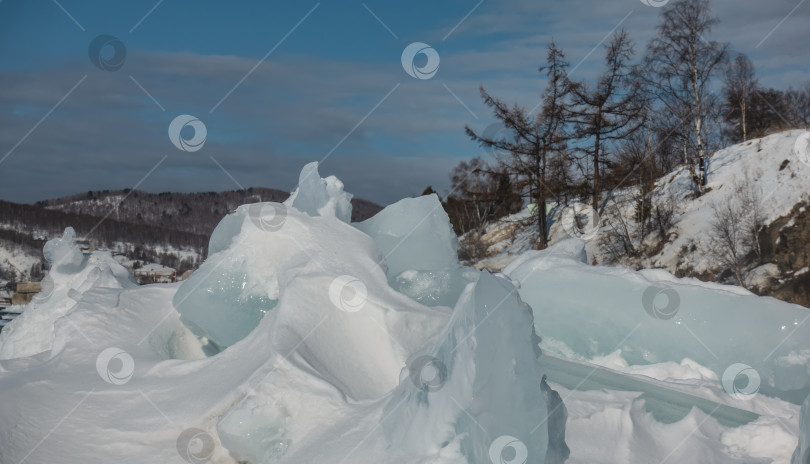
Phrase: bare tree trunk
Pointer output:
(542, 225)
(697, 114)
(542, 222)
(701, 151)
(595, 202)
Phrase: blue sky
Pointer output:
(333, 88)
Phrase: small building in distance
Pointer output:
(153, 273)
(25, 292)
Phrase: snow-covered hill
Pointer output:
(169, 229)
(771, 171)
(187, 212)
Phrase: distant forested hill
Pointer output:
(189, 212)
(168, 228)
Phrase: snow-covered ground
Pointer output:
(304, 339)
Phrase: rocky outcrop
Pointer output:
(786, 243)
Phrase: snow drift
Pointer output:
(289, 344)
(72, 275)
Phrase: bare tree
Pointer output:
(633, 164)
(622, 237)
(727, 243)
(735, 228)
(534, 140)
(663, 216)
(680, 66)
(609, 111)
(797, 107)
(740, 84)
(666, 130)
(804, 106)
(750, 200)
(480, 193)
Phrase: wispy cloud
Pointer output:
(296, 107)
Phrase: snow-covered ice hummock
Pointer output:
(420, 250)
(802, 453)
(319, 288)
(639, 318)
(72, 275)
(301, 339)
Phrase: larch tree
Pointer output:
(533, 142)
(607, 112)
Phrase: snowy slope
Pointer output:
(761, 161)
(779, 175)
